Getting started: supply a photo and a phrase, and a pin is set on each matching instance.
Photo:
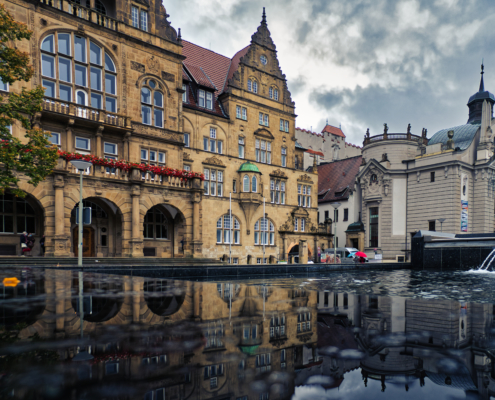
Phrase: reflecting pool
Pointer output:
(357, 335)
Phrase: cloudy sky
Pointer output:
(360, 63)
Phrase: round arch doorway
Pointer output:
(103, 237)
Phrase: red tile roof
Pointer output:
(333, 130)
(185, 77)
(323, 135)
(318, 153)
(199, 75)
(235, 63)
(336, 177)
(214, 65)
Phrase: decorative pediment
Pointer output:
(264, 133)
(164, 29)
(187, 157)
(305, 178)
(278, 174)
(298, 212)
(214, 161)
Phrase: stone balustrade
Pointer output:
(84, 13)
(89, 113)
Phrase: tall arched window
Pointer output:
(252, 85)
(245, 183)
(70, 64)
(264, 232)
(16, 215)
(152, 103)
(225, 230)
(254, 184)
(155, 224)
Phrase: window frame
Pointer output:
(269, 232)
(235, 229)
(147, 84)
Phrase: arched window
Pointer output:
(252, 85)
(152, 104)
(225, 230)
(69, 61)
(16, 215)
(254, 184)
(264, 232)
(245, 183)
(273, 91)
(155, 224)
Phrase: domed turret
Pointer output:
(475, 102)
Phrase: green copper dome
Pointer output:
(248, 167)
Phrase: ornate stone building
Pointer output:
(410, 183)
(121, 84)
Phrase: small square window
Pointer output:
(144, 154)
(161, 158)
(187, 168)
(152, 156)
(54, 138)
(187, 139)
(432, 177)
(82, 143)
(110, 148)
(4, 87)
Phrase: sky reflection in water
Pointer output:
(372, 335)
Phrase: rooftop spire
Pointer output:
(263, 19)
(482, 85)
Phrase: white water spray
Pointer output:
(483, 267)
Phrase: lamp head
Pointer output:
(441, 220)
(335, 205)
(81, 165)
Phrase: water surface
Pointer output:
(353, 335)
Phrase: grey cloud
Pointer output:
(302, 31)
(296, 85)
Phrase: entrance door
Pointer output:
(355, 243)
(88, 241)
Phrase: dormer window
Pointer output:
(139, 18)
(209, 100)
(205, 99)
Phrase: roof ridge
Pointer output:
(204, 72)
(197, 45)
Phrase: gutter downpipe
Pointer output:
(407, 202)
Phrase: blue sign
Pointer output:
(86, 215)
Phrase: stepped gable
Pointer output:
(338, 177)
(235, 64)
(163, 26)
(261, 43)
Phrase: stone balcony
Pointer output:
(394, 136)
(72, 110)
(84, 13)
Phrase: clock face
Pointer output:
(264, 60)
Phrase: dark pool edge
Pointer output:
(218, 271)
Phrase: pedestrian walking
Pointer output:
(24, 246)
(30, 244)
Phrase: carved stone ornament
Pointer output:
(265, 133)
(288, 226)
(305, 178)
(137, 67)
(214, 161)
(152, 64)
(279, 174)
(166, 76)
(187, 157)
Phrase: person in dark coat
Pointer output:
(24, 246)
(30, 244)
(42, 245)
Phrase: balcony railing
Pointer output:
(89, 113)
(395, 136)
(83, 12)
(117, 174)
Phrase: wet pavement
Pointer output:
(354, 335)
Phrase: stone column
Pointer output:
(127, 138)
(284, 249)
(136, 224)
(69, 138)
(197, 290)
(99, 148)
(137, 289)
(303, 251)
(60, 245)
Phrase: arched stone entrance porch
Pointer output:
(296, 249)
(103, 237)
(164, 232)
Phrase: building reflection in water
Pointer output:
(157, 339)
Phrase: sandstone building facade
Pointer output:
(121, 84)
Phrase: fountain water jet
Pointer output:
(483, 268)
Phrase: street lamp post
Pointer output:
(441, 220)
(335, 206)
(81, 166)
